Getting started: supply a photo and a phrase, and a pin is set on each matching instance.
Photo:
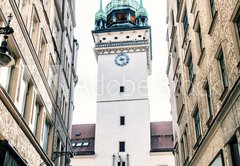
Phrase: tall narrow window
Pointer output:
(121, 163)
(223, 70)
(237, 22)
(34, 27)
(213, 9)
(200, 38)
(209, 101)
(190, 69)
(42, 49)
(185, 144)
(177, 159)
(234, 151)
(183, 152)
(5, 77)
(23, 96)
(197, 124)
(46, 136)
(37, 109)
(122, 120)
(121, 89)
(121, 146)
(185, 22)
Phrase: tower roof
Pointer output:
(141, 10)
(122, 4)
(100, 14)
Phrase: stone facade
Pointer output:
(203, 72)
(37, 92)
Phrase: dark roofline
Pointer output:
(84, 153)
(162, 150)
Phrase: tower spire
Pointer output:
(141, 3)
(100, 9)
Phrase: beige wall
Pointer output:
(83, 160)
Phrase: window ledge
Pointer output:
(225, 90)
(201, 57)
(213, 24)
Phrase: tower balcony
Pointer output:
(126, 43)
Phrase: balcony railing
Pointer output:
(127, 43)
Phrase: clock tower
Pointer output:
(123, 52)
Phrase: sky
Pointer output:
(85, 91)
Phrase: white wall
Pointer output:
(83, 161)
(162, 159)
(135, 132)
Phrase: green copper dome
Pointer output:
(122, 4)
(121, 14)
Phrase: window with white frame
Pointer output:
(22, 97)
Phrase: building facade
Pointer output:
(160, 154)
(36, 93)
(123, 51)
(203, 70)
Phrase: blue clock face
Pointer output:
(121, 59)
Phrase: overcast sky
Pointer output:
(85, 92)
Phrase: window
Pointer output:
(22, 98)
(9, 156)
(183, 151)
(34, 27)
(5, 79)
(37, 109)
(85, 144)
(121, 146)
(185, 22)
(42, 49)
(200, 38)
(213, 9)
(77, 134)
(122, 120)
(197, 124)
(177, 159)
(122, 163)
(190, 69)
(234, 151)
(56, 31)
(52, 75)
(223, 70)
(209, 101)
(238, 24)
(46, 133)
(121, 89)
(218, 160)
(184, 147)
(78, 144)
